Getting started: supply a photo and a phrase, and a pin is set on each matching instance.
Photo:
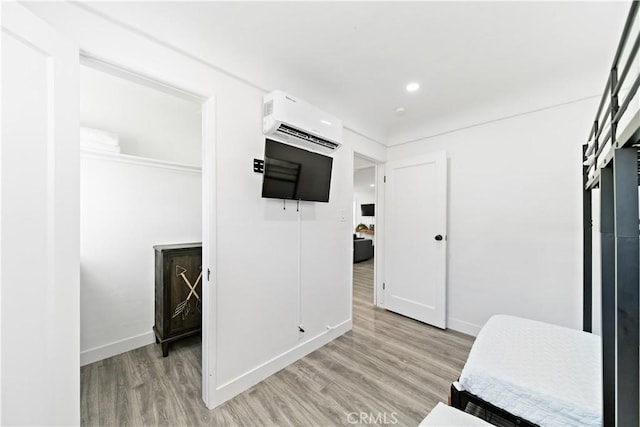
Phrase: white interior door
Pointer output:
(39, 224)
(416, 241)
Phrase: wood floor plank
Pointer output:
(90, 379)
(388, 368)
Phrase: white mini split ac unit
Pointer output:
(290, 120)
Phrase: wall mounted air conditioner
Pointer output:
(293, 121)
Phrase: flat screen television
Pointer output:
(368, 210)
(294, 173)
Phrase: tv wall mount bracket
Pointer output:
(258, 166)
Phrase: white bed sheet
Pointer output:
(547, 374)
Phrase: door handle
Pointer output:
(439, 237)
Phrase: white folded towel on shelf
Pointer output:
(100, 140)
(96, 146)
(99, 136)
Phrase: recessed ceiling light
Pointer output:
(412, 87)
(400, 110)
(372, 185)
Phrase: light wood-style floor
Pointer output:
(389, 368)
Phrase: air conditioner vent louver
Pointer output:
(307, 137)
(295, 122)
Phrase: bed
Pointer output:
(533, 373)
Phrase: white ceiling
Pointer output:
(464, 54)
(361, 163)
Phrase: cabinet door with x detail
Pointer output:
(178, 294)
(185, 304)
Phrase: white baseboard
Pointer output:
(464, 327)
(236, 386)
(115, 348)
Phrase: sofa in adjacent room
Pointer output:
(362, 249)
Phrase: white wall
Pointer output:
(516, 253)
(255, 273)
(364, 198)
(266, 254)
(131, 203)
(127, 207)
(149, 122)
(39, 230)
(514, 216)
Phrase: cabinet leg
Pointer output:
(157, 340)
(165, 349)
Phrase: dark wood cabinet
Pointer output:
(178, 293)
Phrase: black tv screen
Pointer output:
(368, 210)
(294, 173)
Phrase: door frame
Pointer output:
(208, 203)
(378, 258)
(43, 388)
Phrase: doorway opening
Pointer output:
(364, 232)
(141, 185)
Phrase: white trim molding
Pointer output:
(87, 153)
(236, 386)
(118, 347)
(464, 327)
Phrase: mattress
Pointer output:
(546, 374)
